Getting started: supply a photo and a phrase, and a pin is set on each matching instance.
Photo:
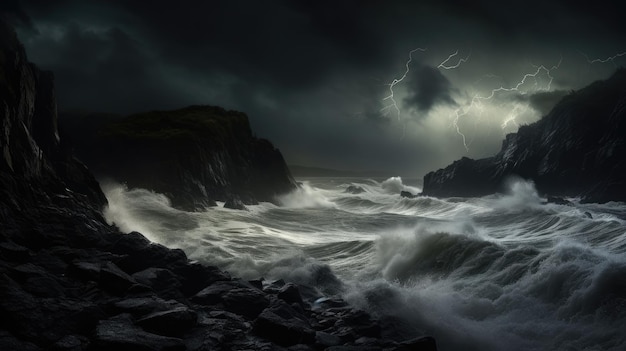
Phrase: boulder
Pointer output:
(113, 279)
(245, 301)
(172, 322)
(235, 203)
(119, 333)
(142, 306)
(354, 189)
(160, 280)
(407, 195)
(290, 294)
(284, 325)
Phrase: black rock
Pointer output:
(172, 322)
(213, 293)
(234, 203)
(11, 251)
(119, 333)
(578, 149)
(407, 194)
(201, 154)
(284, 325)
(354, 189)
(245, 301)
(290, 293)
(142, 306)
(557, 200)
(160, 280)
(326, 340)
(113, 279)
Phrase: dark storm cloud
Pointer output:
(307, 71)
(13, 11)
(543, 102)
(426, 88)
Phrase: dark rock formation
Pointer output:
(234, 203)
(407, 194)
(354, 189)
(578, 149)
(195, 156)
(69, 281)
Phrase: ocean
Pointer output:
(501, 272)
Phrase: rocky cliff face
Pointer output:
(69, 281)
(195, 155)
(578, 149)
(34, 167)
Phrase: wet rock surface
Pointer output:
(70, 281)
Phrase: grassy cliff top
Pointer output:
(190, 122)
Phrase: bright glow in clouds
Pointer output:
(500, 105)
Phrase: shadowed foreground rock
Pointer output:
(69, 281)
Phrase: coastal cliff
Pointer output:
(578, 149)
(69, 281)
(195, 155)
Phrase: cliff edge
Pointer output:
(196, 155)
(578, 149)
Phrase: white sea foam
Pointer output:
(505, 272)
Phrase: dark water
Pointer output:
(504, 272)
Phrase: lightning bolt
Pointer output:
(611, 58)
(393, 83)
(391, 97)
(393, 103)
(477, 100)
(442, 65)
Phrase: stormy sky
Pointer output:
(401, 86)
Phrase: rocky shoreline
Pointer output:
(70, 281)
(70, 285)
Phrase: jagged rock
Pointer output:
(284, 325)
(234, 203)
(578, 149)
(113, 279)
(354, 189)
(161, 280)
(245, 301)
(407, 194)
(558, 200)
(326, 340)
(172, 322)
(290, 294)
(11, 251)
(85, 270)
(119, 333)
(195, 277)
(141, 306)
(9, 342)
(213, 294)
(145, 254)
(71, 343)
(200, 153)
(65, 274)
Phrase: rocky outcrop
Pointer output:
(195, 156)
(69, 281)
(578, 149)
(35, 168)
